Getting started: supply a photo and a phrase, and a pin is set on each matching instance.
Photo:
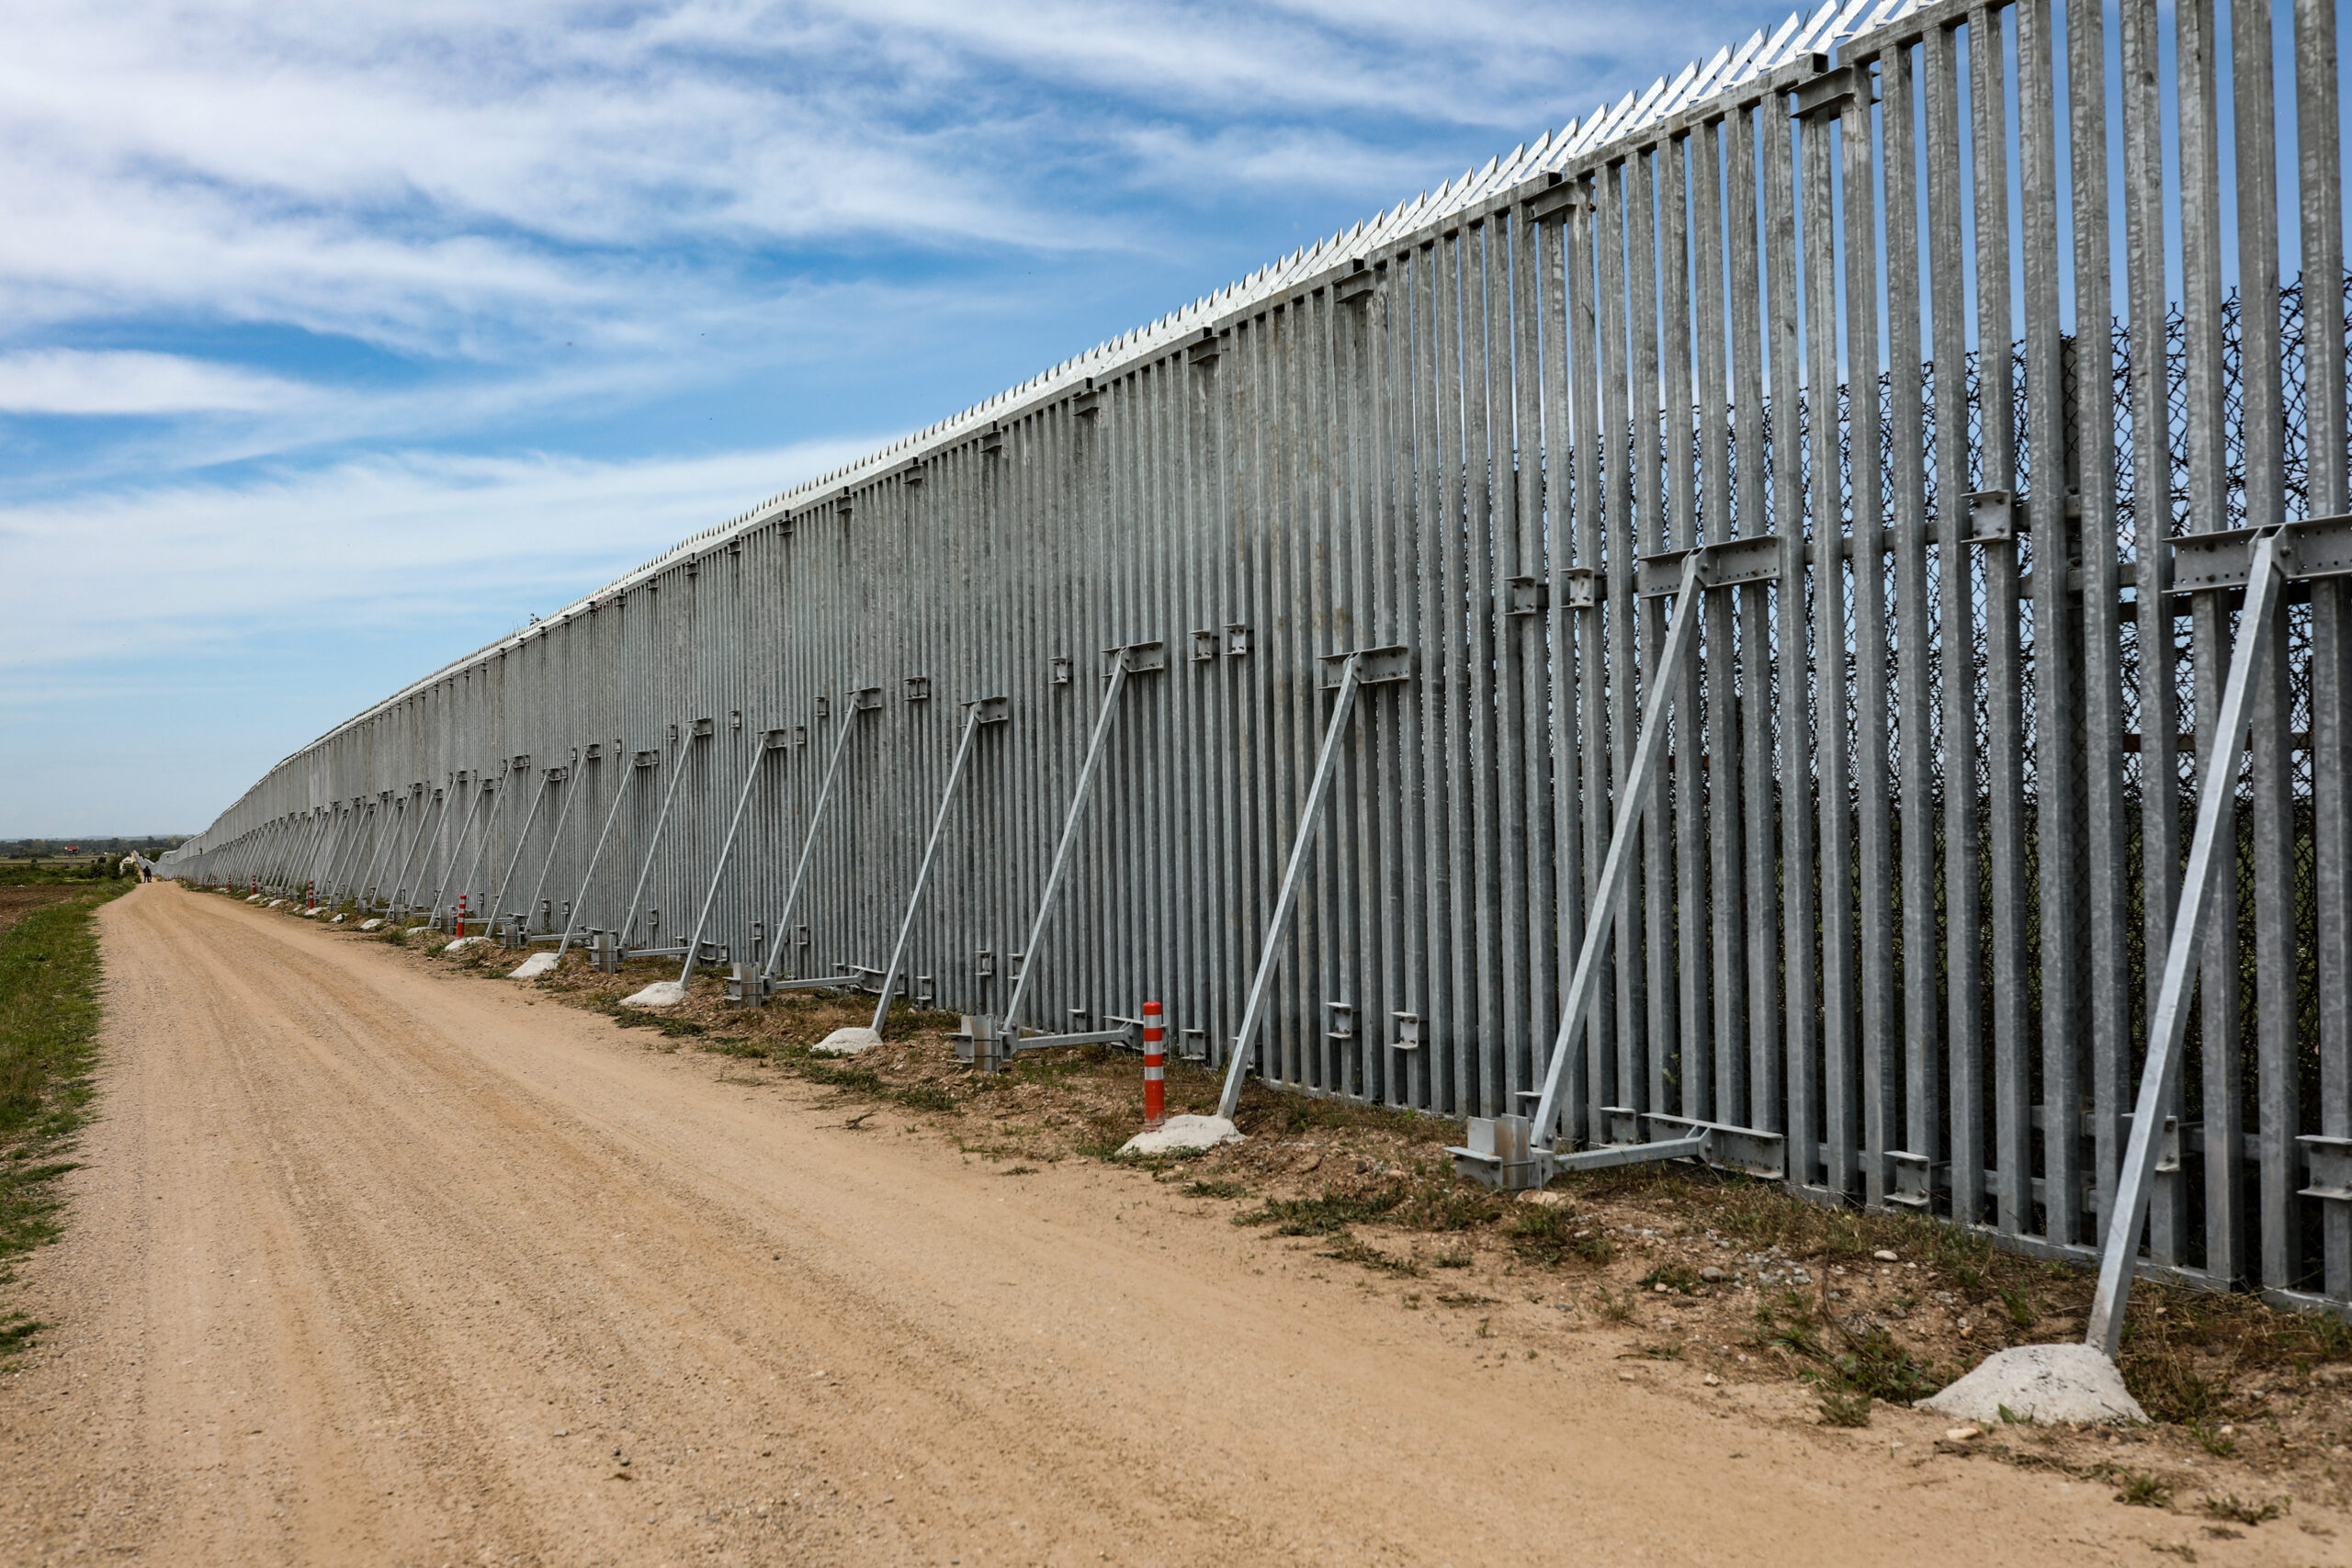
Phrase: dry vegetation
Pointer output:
(1696, 1277)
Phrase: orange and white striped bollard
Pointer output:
(1154, 1067)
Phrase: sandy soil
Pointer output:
(377, 1265)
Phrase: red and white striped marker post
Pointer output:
(309, 895)
(461, 915)
(1154, 1067)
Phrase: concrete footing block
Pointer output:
(531, 968)
(846, 1042)
(464, 942)
(2040, 1382)
(1182, 1134)
(661, 994)
(373, 923)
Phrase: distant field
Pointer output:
(15, 903)
(80, 870)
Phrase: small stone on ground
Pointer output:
(1181, 1135)
(2040, 1382)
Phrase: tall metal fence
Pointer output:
(1936, 357)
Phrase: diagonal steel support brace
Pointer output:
(699, 731)
(522, 842)
(433, 805)
(1136, 658)
(548, 779)
(637, 764)
(2168, 1021)
(388, 833)
(1366, 666)
(457, 849)
(864, 699)
(1568, 1047)
(773, 740)
(985, 710)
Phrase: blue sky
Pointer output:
(339, 339)
(335, 341)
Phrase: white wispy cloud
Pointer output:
(130, 381)
(274, 278)
(380, 541)
(446, 181)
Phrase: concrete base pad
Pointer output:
(371, 923)
(661, 994)
(2040, 1382)
(1182, 1134)
(846, 1042)
(463, 943)
(531, 968)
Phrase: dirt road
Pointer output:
(375, 1265)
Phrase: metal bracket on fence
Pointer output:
(1585, 588)
(1729, 1148)
(2312, 547)
(1500, 1154)
(981, 1042)
(1555, 201)
(1995, 516)
(1724, 564)
(1008, 1041)
(2168, 1018)
(1832, 90)
(2329, 1162)
(1528, 597)
(1345, 673)
(1134, 659)
(747, 987)
(1374, 667)
(1915, 1179)
(977, 712)
(1503, 1154)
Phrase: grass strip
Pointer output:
(49, 975)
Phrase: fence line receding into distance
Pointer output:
(1922, 324)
